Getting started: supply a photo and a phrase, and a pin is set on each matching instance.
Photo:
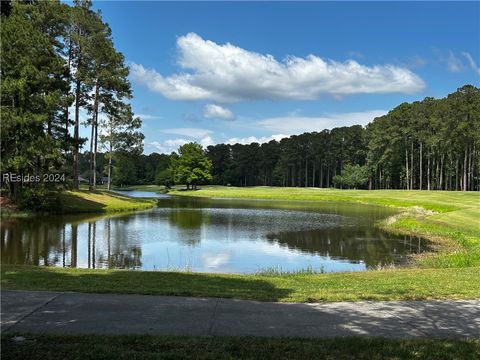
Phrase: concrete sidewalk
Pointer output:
(76, 313)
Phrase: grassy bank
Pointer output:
(153, 188)
(101, 201)
(85, 201)
(181, 347)
(450, 218)
(402, 284)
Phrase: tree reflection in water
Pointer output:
(238, 235)
(353, 244)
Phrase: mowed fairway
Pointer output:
(452, 217)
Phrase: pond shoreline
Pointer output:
(458, 242)
(445, 275)
(219, 236)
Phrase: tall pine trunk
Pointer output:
(441, 171)
(411, 167)
(67, 121)
(328, 176)
(110, 154)
(420, 185)
(313, 173)
(450, 165)
(456, 173)
(470, 169)
(428, 170)
(406, 168)
(306, 171)
(321, 175)
(93, 140)
(90, 185)
(465, 181)
(95, 149)
(75, 136)
(472, 187)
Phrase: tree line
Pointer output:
(426, 145)
(429, 144)
(56, 60)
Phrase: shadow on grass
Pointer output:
(144, 282)
(77, 204)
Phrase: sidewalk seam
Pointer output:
(212, 320)
(4, 330)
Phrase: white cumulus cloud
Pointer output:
(252, 139)
(168, 146)
(207, 141)
(227, 73)
(292, 125)
(172, 145)
(217, 112)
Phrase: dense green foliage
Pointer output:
(34, 90)
(353, 176)
(429, 144)
(122, 139)
(39, 199)
(192, 166)
(54, 56)
(82, 347)
(148, 169)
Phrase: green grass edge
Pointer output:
(227, 347)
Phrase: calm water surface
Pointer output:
(212, 235)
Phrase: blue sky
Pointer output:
(217, 72)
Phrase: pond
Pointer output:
(213, 235)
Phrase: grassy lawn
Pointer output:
(101, 201)
(440, 201)
(451, 218)
(180, 347)
(401, 284)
